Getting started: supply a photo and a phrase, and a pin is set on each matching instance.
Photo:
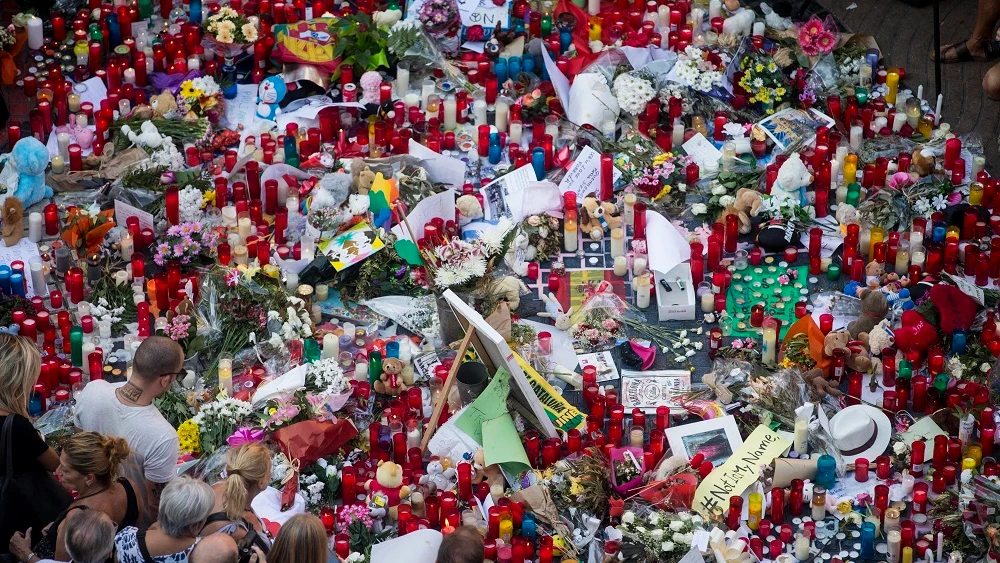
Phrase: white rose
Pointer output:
(667, 546)
(899, 448)
(676, 525)
(654, 518)
(678, 537)
(628, 517)
(727, 200)
(719, 190)
(657, 535)
(985, 367)
(699, 209)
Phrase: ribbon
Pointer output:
(245, 435)
(728, 547)
(722, 392)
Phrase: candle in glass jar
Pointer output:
(621, 268)
(58, 164)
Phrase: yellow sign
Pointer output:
(740, 471)
(563, 415)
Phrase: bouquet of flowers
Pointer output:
(440, 17)
(86, 228)
(201, 97)
(701, 69)
(186, 243)
(598, 324)
(817, 37)
(722, 190)
(215, 422)
(762, 81)
(462, 264)
(183, 329)
(664, 179)
(545, 234)
(658, 535)
(230, 27)
(10, 45)
(633, 90)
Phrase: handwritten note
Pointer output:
(473, 12)
(487, 421)
(124, 211)
(702, 151)
(26, 252)
(584, 177)
(740, 471)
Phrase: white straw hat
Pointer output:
(861, 431)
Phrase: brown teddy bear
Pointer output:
(745, 207)
(386, 490)
(162, 104)
(857, 358)
(598, 217)
(13, 221)
(874, 308)
(391, 380)
(489, 473)
(362, 176)
(922, 162)
(819, 385)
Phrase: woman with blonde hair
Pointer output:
(91, 465)
(248, 472)
(30, 497)
(300, 540)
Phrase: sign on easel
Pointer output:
(494, 352)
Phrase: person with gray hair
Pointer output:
(90, 537)
(184, 506)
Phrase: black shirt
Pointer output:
(27, 446)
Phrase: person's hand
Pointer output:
(20, 545)
(258, 555)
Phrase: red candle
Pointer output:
(720, 124)
(270, 196)
(732, 232)
(952, 150)
(75, 158)
(172, 205)
(51, 216)
(464, 481)
(607, 177)
(986, 439)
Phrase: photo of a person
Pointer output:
(714, 445)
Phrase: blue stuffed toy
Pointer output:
(269, 94)
(24, 172)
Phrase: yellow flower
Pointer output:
(272, 270)
(660, 159)
(575, 487)
(780, 92)
(666, 190)
(207, 198)
(188, 90)
(759, 67)
(771, 67)
(189, 437)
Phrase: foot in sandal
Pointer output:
(969, 51)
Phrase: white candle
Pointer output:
(35, 38)
(638, 266)
(697, 16)
(594, 7)
(758, 29)
(714, 9)
(707, 302)
(906, 483)
(37, 277)
(291, 281)
(244, 228)
(641, 287)
(802, 547)
(450, 112)
(677, 139)
(940, 546)
(35, 227)
(856, 135)
(322, 292)
(801, 437)
(515, 132)
(834, 172)
(621, 266)
(126, 246)
(898, 119)
(617, 243)
(894, 538)
(226, 375)
(920, 92)
(129, 75)
(88, 348)
(62, 142)
(229, 216)
(104, 328)
(479, 107)
(663, 16)
(402, 79)
(331, 346)
(937, 109)
(308, 250)
(411, 99)
(426, 89)
(121, 277)
(502, 108)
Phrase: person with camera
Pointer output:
(184, 506)
(248, 472)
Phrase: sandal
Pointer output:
(964, 55)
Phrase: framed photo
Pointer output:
(716, 439)
(792, 126)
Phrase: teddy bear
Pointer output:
(162, 104)
(363, 177)
(841, 340)
(390, 382)
(469, 209)
(443, 479)
(13, 221)
(922, 161)
(874, 308)
(880, 337)
(745, 207)
(891, 282)
(793, 177)
(23, 175)
(386, 490)
(489, 473)
(554, 311)
(599, 217)
(821, 386)
(509, 289)
(270, 92)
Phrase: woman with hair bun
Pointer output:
(90, 464)
(248, 472)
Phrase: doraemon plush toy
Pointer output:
(269, 94)
(23, 175)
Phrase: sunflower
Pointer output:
(188, 90)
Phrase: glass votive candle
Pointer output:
(833, 272)
(791, 254)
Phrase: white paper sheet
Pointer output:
(670, 248)
(420, 546)
(584, 177)
(291, 380)
(440, 168)
(498, 194)
(562, 345)
(559, 81)
(702, 151)
(123, 211)
(438, 205)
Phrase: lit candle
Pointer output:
(58, 164)
(226, 375)
(770, 327)
(35, 38)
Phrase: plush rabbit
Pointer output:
(553, 310)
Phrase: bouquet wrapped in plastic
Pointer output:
(597, 325)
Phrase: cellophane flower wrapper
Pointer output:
(596, 326)
(210, 468)
(56, 424)
(415, 314)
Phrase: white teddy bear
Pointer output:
(469, 209)
(358, 204)
(793, 176)
(443, 479)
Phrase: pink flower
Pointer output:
(610, 324)
(825, 42)
(954, 198)
(591, 334)
(812, 27)
(808, 43)
(737, 344)
(899, 180)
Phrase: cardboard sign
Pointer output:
(740, 471)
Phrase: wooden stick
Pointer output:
(446, 388)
